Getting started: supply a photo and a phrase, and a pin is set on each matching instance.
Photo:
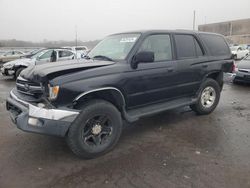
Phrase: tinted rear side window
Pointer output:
(187, 46)
(199, 51)
(216, 44)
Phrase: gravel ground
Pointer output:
(172, 149)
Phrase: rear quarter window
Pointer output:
(216, 44)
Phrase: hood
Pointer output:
(244, 64)
(23, 61)
(44, 72)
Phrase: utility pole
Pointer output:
(194, 21)
(76, 34)
(231, 29)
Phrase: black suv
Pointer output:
(125, 77)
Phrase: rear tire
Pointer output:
(96, 130)
(208, 98)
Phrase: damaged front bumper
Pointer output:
(38, 119)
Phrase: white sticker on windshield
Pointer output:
(128, 39)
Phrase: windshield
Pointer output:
(40, 52)
(234, 48)
(115, 47)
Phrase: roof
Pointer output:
(181, 31)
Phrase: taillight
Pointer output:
(233, 67)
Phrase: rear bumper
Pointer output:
(32, 118)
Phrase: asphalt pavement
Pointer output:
(176, 148)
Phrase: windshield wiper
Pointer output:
(103, 57)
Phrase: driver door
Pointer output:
(153, 82)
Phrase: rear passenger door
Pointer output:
(190, 63)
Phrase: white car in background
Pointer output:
(239, 52)
(11, 55)
(80, 51)
(13, 68)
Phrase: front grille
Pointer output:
(29, 88)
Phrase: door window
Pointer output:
(46, 55)
(187, 47)
(199, 51)
(65, 54)
(160, 45)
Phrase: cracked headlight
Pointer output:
(53, 92)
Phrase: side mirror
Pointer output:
(143, 57)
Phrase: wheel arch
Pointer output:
(110, 94)
(217, 76)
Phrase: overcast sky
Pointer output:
(36, 20)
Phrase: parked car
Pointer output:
(13, 68)
(11, 55)
(239, 52)
(127, 76)
(80, 51)
(242, 71)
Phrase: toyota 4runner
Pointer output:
(127, 76)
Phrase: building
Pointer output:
(237, 31)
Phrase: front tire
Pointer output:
(208, 98)
(96, 130)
